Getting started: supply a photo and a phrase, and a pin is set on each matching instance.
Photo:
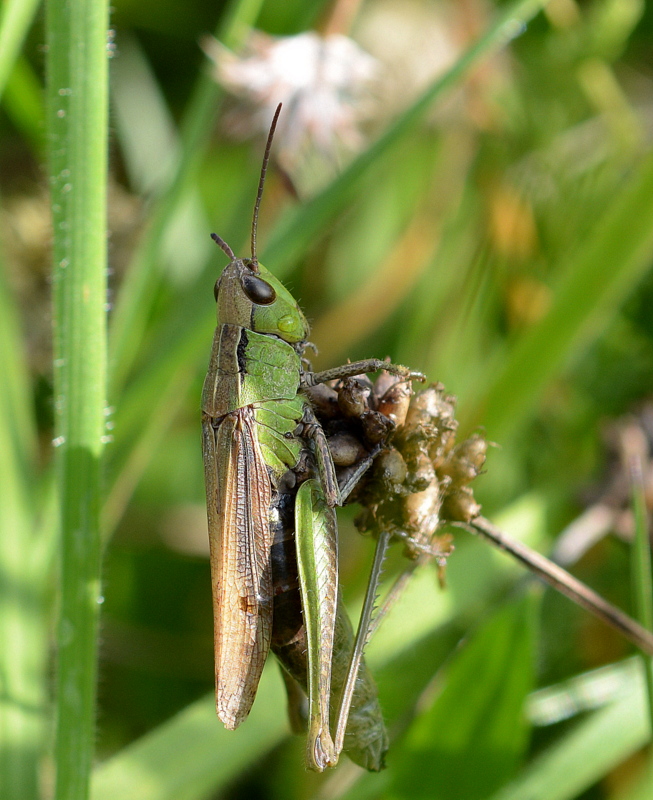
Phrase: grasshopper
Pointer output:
(259, 431)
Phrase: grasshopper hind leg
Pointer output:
(316, 539)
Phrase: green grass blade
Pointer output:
(16, 18)
(23, 634)
(15, 385)
(593, 284)
(585, 692)
(77, 126)
(586, 754)
(190, 755)
(23, 101)
(144, 125)
(471, 738)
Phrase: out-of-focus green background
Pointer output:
(499, 240)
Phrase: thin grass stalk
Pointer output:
(77, 116)
(563, 582)
(641, 571)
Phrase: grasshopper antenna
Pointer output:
(259, 194)
(223, 246)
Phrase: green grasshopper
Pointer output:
(258, 430)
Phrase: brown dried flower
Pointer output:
(420, 481)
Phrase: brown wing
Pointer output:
(239, 494)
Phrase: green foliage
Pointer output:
(495, 230)
(494, 671)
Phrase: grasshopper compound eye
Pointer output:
(258, 290)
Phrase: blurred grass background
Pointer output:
(494, 230)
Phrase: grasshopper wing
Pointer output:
(239, 494)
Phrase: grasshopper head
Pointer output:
(249, 295)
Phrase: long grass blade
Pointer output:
(22, 619)
(77, 126)
(585, 754)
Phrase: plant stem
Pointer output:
(564, 583)
(77, 137)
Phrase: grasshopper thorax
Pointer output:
(249, 295)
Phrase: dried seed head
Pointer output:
(384, 382)
(353, 397)
(390, 471)
(377, 427)
(473, 450)
(346, 449)
(324, 400)
(421, 472)
(421, 512)
(394, 402)
(420, 481)
(465, 462)
(460, 506)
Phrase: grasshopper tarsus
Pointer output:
(320, 750)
